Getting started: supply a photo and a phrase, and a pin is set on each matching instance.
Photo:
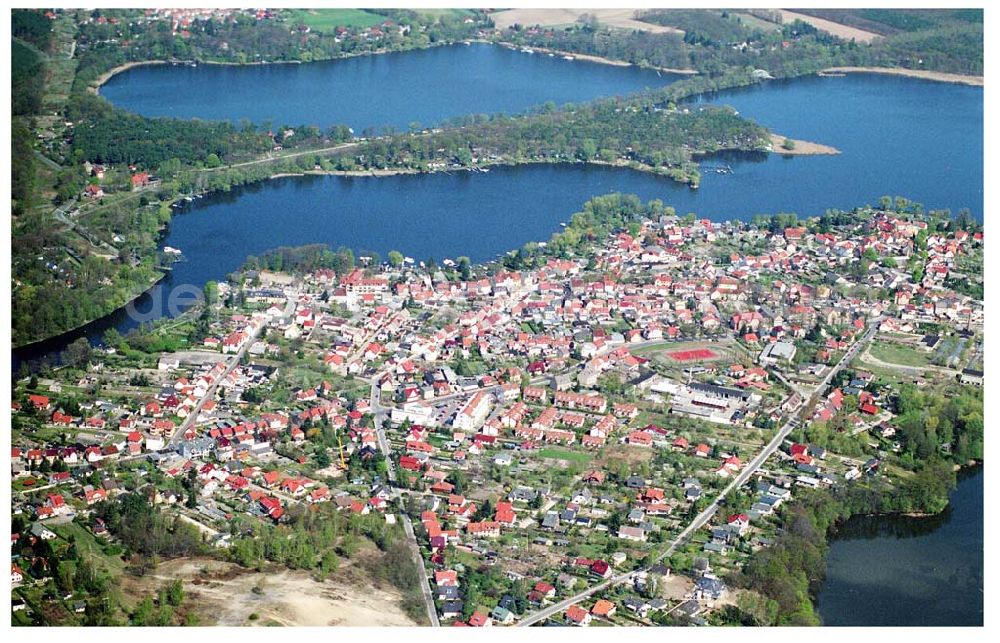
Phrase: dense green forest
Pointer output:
(303, 259)
(607, 131)
(888, 22)
(114, 136)
(31, 26)
(22, 171)
(32, 35)
(27, 69)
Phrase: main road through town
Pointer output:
(230, 365)
(379, 413)
(702, 519)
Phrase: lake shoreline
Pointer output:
(806, 149)
(937, 76)
(597, 59)
(834, 535)
(94, 86)
(130, 299)
(291, 169)
(802, 148)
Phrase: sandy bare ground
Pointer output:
(675, 587)
(802, 148)
(839, 30)
(609, 61)
(631, 454)
(223, 593)
(623, 18)
(939, 76)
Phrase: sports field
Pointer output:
(692, 355)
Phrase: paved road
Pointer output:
(380, 413)
(233, 362)
(702, 519)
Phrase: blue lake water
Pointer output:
(898, 136)
(899, 571)
(425, 86)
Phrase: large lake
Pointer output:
(425, 86)
(898, 136)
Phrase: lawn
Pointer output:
(329, 19)
(560, 454)
(898, 354)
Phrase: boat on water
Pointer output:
(527, 51)
(551, 55)
(171, 251)
(568, 58)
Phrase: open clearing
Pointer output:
(327, 20)
(560, 454)
(622, 18)
(223, 593)
(632, 455)
(839, 30)
(898, 354)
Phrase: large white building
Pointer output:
(474, 412)
(777, 351)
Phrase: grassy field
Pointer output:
(570, 456)
(329, 19)
(897, 354)
(88, 546)
(438, 13)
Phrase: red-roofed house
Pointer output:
(577, 616)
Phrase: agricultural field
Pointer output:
(326, 20)
(620, 18)
(442, 13)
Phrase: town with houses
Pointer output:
(606, 437)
